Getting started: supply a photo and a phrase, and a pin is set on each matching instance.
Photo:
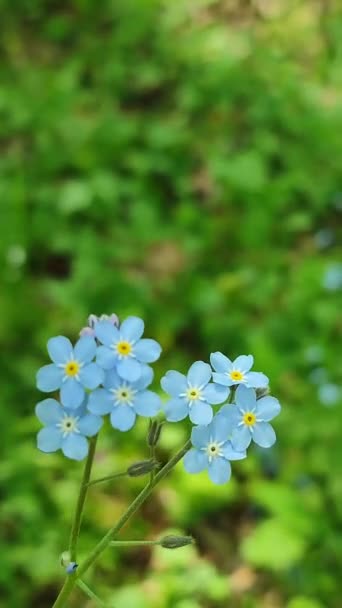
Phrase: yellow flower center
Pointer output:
(249, 418)
(72, 368)
(124, 348)
(193, 394)
(235, 375)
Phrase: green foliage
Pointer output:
(179, 161)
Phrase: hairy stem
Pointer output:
(133, 507)
(76, 524)
(104, 543)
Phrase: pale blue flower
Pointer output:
(193, 394)
(124, 349)
(66, 429)
(329, 394)
(212, 450)
(230, 373)
(249, 418)
(124, 400)
(332, 279)
(72, 370)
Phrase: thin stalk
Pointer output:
(76, 524)
(133, 507)
(72, 579)
(81, 584)
(134, 543)
(106, 478)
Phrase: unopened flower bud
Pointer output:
(153, 434)
(65, 558)
(89, 330)
(174, 542)
(262, 392)
(142, 468)
(71, 568)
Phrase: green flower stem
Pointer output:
(107, 478)
(81, 584)
(72, 579)
(134, 543)
(133, 507)
(76, 524)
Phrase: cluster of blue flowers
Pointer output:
(108, 372)
(218, 439)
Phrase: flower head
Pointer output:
(193, 394)
(229, 373)
(250, 417)
(212, 450)
(66, 429)
(124, 349)
(89, 330)
(72, 370)
(124, 400)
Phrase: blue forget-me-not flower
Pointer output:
(230, 373)
(66, 429)
(124, 349)
(193, 394)
(123, 400)
(72, 370)
(212, 450)
(249, 418)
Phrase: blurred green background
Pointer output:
(180, 161)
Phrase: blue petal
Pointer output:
(174, 383)
(85, 349)
(219, 470)
(215, 393)
(91, 376)
(222, 379)
(100, 402)
(72, 393)
(129, 369)
(105, 357)
(147, 350)
(106, 332)
(176, 409)
(123, 417)
(90, 425)
(49, 378)
(112, 379)
(145, 379)
(243, 363)
(231, 454)
(132, 329)
(222, 425)
(75, 446)
(264, 434)
(220, 362)
(256, 380)
(245, 398)
(60, 349)
(147, 403)
(241, 438)
(267, 408)
(49, 411)
(201, 413)
(232, 414)
(49, 439)
(195, 461)
(200, 436)
(199, 374)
